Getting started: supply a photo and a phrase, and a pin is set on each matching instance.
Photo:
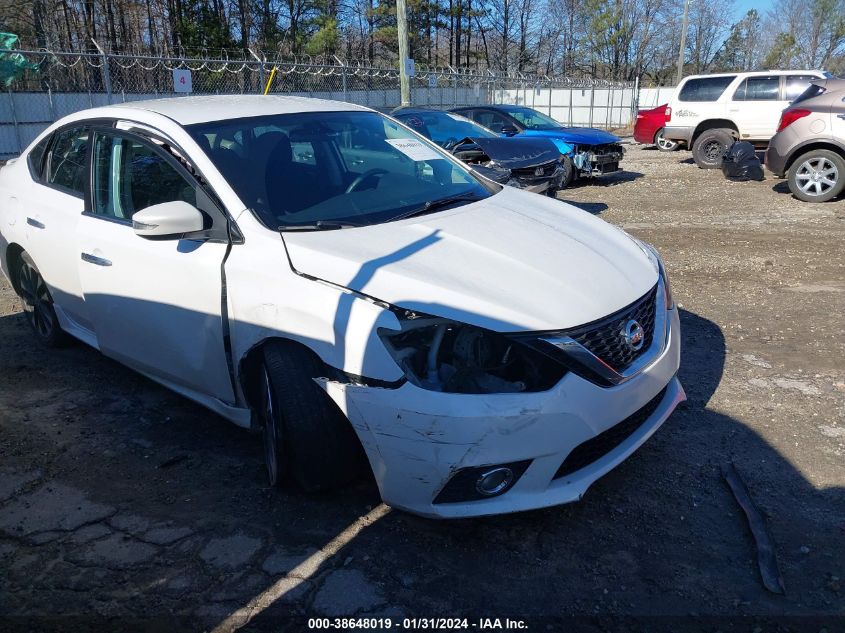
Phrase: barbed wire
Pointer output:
(298, 65)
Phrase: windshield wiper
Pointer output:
(433, 205)
(319, 225)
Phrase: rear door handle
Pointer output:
(841, 116)
(35, 223)
(93, 259)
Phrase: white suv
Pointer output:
(708, 112)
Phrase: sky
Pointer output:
(741, 7)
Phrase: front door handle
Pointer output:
(93, 259)
(35, 223)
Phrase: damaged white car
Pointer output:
(320, 273)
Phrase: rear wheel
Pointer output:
(664, 144)
(38, 304)
(305, 435)
(817, 176)
(709, 147)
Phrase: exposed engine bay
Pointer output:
(447, 356)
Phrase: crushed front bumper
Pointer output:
(416, 440)
(601, 159)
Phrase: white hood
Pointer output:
(515, 261)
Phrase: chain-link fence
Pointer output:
(54, 84)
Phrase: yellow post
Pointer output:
(270, 81)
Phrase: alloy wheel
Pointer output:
(270, 434)
(37, 304)
(817, 176)
(664, 143)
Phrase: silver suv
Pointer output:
(809, 147)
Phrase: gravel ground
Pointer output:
(121, 500)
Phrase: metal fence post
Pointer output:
(51, 104)
(104, 64)
(592, 101)
(342, 77)
(571, 97)
(635, 99)
(15, 121)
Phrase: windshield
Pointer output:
(444, 128)
(332, 168)
(533, 120)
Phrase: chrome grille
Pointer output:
(604, 338)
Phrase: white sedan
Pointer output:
(317, 271)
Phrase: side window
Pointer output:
(66, 162)
(492, 120)
(758, 89)
(705, 88)
(36, 158)
(797, 84)
(130, 176)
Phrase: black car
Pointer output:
(592, 152)
(526, 163)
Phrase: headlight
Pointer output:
(657, 262)
(444, 355)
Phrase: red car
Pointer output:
(648, 129)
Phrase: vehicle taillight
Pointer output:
(788, 117)
(668, 113)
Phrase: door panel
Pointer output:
(52, 211)
(756, 106)
(155, 304)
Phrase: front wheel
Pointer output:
(304, 433)
(664, 144)
(817, 176)
(709, 147)
(38, 304)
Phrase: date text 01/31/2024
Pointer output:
(431, 624)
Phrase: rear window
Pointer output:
(812, 91)
(36, 158)
(796, 85)
(705, 88)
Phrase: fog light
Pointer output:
(482, 482)
(495, 481)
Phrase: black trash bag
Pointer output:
(740, 163)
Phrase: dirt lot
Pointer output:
(122, 500)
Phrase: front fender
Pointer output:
(268, 300)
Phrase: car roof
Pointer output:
(206, 108)
(414, 110)
(756, 73)
(495, 106)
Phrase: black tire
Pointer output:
(709, 146)
(568, 172)
(38, 304)
(310, 438)
(817, 176)
(664, 144)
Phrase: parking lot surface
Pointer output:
(120, 499)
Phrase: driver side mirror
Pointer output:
(168, 220)
(509, 130)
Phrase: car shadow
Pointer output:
(590, 207)
(607, 180)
